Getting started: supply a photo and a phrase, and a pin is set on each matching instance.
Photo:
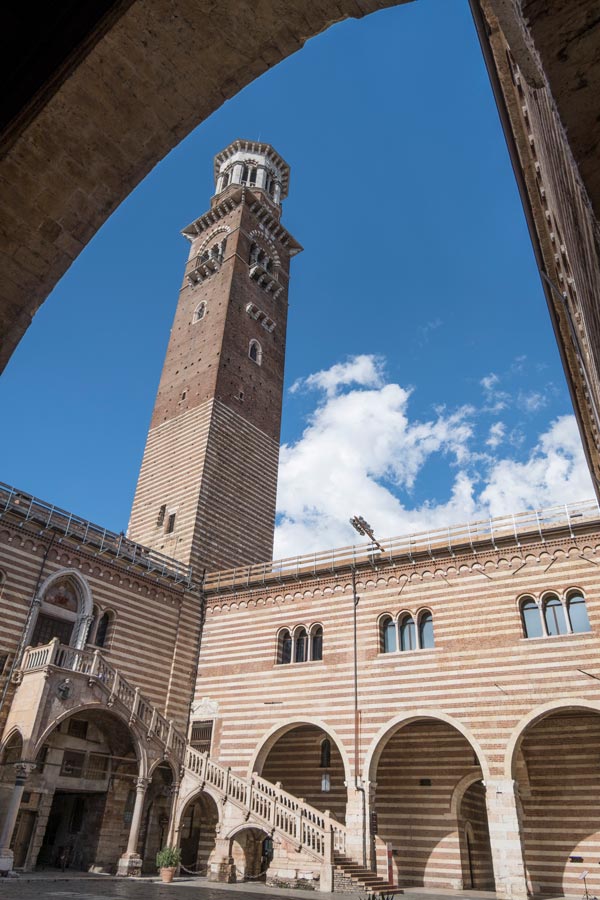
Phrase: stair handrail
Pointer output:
(93, 664)
(311, 829)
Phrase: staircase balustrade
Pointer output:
(310, 829)
(94, 665)
(268, 804)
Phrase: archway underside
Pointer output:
(113, 93)
(558, 776)
(430, 804)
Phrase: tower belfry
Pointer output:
(207, 486)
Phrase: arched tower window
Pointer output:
(388, 635)
(255, 352)
(316, 641)
(554, 616)
(408, 637)
(577, 611)
(200, 311)
(285, 648)
(426, 630)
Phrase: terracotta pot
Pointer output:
(167, 874)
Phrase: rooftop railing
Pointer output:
(495, 532)
(30, 510)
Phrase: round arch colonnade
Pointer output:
(472, 807)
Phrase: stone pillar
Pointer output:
(131, 862)
(22, 770)
(326, 874)
(221, 866)
(505, 839)
(357, 825)
(172, 830)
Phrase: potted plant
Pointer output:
(167, 861)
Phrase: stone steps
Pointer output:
(364, 879)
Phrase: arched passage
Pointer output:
(556, 766)
(81, 792)
(156, 816)
(197, 833)
(309, 763)
(430, 805)
(251, 851)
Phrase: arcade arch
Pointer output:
(428, 793)
(293, 755)
(198, 832)
(553, 756)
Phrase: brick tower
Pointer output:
(207, 486)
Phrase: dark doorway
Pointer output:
(72, 832)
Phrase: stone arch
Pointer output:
(536, 715)
(269, 740)
(85, 612)
(163, 761)
(137, 738)
(390, 728)
(198, 821)
(9, 737)
(459, 791)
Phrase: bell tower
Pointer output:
(207, 486)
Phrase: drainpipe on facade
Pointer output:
(358, 787)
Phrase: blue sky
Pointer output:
(426, 386)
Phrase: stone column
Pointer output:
(22, 770)
(505, 839)
(131, 862)
(172, 830)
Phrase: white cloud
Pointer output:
(532, 401)
(361, 453)
(496, 435)
(495, 399)
(364, 370)
(554, 472)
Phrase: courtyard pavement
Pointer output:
(59, 886)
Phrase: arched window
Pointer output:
(58, 613)
(325, 754)
(316, 643)
(301, 645)
(426, 631)
(530, 615)
(577, 611)
(200, 311)
(255, 352)
(554, 616)
(285, 647)
(388, 635)
(103, 629)
(408, 636)
(225, 181)
(244, 174)
(252, 178)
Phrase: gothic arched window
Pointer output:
(58, 613)
(316, 643)
(578, 616)
(530, 616)
(301, 641)
(388, 635)
(255, 352)
(408, 637)
(426, 631)
(554, 616)
(325, 754)
(285, 647)
(102, 631)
